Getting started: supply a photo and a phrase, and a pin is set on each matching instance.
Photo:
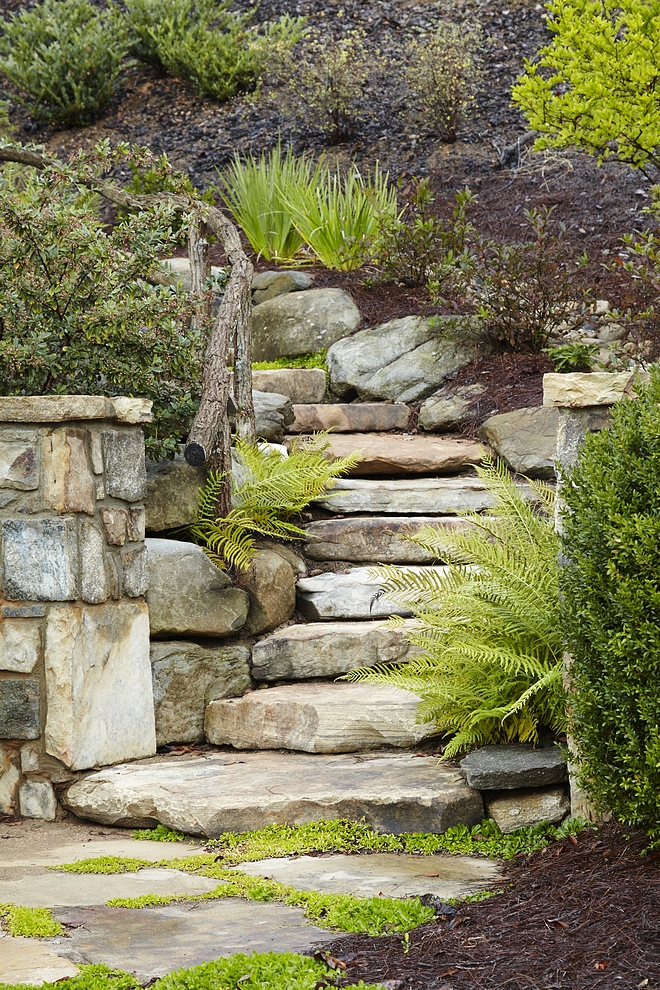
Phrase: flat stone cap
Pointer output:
(62, 408)
(508, 767)
(582, 389)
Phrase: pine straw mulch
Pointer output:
(580, 915)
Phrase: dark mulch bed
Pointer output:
(583, 916)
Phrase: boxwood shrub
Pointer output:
(611, 609)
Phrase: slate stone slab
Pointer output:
(19, 708)
(508, 767)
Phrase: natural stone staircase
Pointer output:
(403, 483)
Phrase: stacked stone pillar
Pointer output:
(75, 676)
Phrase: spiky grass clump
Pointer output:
(267, 490)
(490, 669)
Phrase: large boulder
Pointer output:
(186, 678)
(188, 595)
(302, 322)
(526, 439)
(318, 718)
(302, 385)
(268, 285)
(271, 585)
(401, 361)
(272, 413)
(172, 493)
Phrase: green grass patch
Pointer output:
(106, 864)
(265, 970)
(315, 360)
(29, 922)
(159, 834)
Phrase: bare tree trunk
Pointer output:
(209, 441)
(200, 270)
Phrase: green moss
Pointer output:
(106, 864)
(29, 922)
(263, 970)
(316, 360)
(159, 834)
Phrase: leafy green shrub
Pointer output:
(268, 490)
(523, 292)
(415, 245)
(254, 191)
(327, 83)
(444, 74)
(611, 609)
(206, 42)
(596, 84)
(572, 357)
(491, 666)
(76, 312)
(66, 54)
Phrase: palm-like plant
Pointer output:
(490, 666)
(268, 489)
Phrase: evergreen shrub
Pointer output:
(65, 55)
(611, 609)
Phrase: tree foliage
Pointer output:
(611, 609)
(597, 84)
(77, 313)
(490, 666)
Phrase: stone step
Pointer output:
(328, 649)
(353, 594)
(218, 793)
(375, 539)
(301, 385)
(343, 417)
(396, 454)
(317, 718)
(419, 496)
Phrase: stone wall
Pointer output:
(75, 675)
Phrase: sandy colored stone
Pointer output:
(172, 493)
(53, 408)
(217, 793)
(328, 649)
(125, 472)
(382, 540)
(403, 360)
(354, 594)
(19, 459)
(186, 678)
(132, 411)
(9, 777)
(270, 583)
(525, 439)
(301, 385)
(190, 596)
(28, 960)
(20, 645)
(579, 389)
(114, 522)
(136, 523)
(521, 809)
(418, 496)
(36, 799)
(302, 323)
(68, 482)
(361, 417)
(317, 718)
(405, 454)
(98, 684)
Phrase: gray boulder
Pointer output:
(526, 439)
(446, 408)
(302, 322)
(401, 361)
(188, 595)
(509, 767)
(268, 285)
(272, 413)
(271, 585)
(172, 491)
(186, 678)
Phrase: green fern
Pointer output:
(490, 666)
(267, 490)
